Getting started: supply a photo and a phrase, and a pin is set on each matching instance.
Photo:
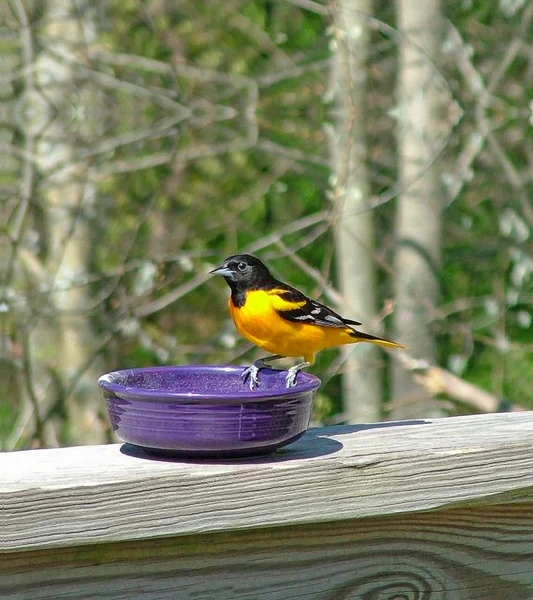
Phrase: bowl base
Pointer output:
(216, 454)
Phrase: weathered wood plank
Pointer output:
(87, 495)
(456, 554)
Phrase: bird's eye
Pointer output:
(241, 266)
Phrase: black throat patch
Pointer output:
(238, 294)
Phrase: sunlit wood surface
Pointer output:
(439, 509)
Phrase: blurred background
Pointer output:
(378, 155)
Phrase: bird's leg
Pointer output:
(253, 371)
(269, 358)
(293, 372)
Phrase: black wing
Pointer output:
(292, 305)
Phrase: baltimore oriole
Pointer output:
(281, 320)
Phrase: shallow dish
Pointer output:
(207, 410)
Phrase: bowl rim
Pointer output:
(310, 384)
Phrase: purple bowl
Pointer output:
(207, 410)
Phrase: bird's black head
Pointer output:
(243, 271)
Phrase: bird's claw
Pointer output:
(290, 380)
(251, 372)
(293, 372)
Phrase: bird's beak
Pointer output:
(223, 271)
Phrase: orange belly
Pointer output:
(259, 322)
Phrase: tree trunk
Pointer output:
(66, 193)
(418, 226)
(354, 234)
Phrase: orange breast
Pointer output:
(259, 322)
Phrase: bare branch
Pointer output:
(293, 153)
(170, 298)
(312, 6)
(294, 71)
(440, 381)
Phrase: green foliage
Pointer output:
(203, 126)
(218, 204)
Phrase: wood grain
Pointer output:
(86, 495)
(483, 553)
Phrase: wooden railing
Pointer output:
(414, 510)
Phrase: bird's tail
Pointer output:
(359, 336)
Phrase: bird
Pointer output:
(281, 320)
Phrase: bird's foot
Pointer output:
(293, 372)
(251, 372)
(291, 377)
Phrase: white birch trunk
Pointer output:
(354, 234)
(66, 192)
(418, 226)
